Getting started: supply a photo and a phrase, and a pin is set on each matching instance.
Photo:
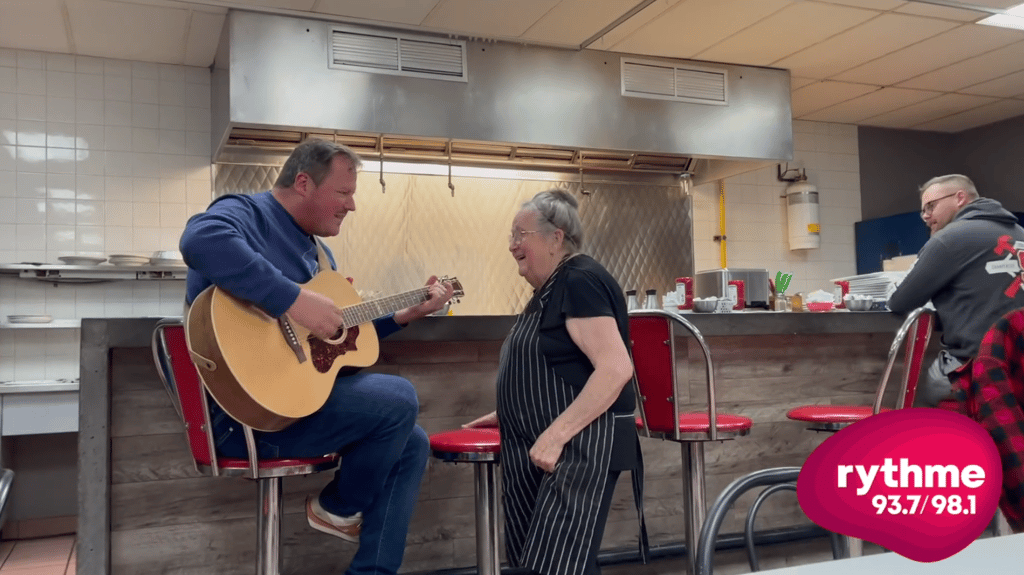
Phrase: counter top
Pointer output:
(496, 327)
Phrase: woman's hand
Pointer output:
(489, 420)
(546, 452)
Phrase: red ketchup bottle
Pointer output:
(741, 301)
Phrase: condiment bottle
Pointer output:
(651, 301)
(631, 301)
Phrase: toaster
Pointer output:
(715, 283)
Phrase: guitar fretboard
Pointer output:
(367, 311)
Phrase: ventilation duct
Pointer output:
(399, 54)
(277, 80)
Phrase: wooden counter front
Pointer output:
(144, 510)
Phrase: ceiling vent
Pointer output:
(663, 81)
(400, 54)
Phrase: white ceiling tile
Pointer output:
(935, 52)
(573, 21)
(493, 18)
(870, 104)
(943, 12)
(873, 39)
(397, 11)
(127, 31)
(983, 68)
(787, 31)
(796, 83)
(638, 20)
(694, 25)
(981, 116)
(1008, 86)
(820, 95)
(203, 35)
(285, 4)
(873, 4)
(928, 110)
(33, 25)
(995, 3)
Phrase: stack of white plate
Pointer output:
(167, 258)
(878, 285)
(128, 260)
(81, 260)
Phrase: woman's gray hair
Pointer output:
(558, 209)
(953, 181)
(314, 157)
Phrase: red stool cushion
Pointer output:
(699, 423)
(472, 440)
(831, 413)
(236, 463)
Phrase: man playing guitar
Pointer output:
(260, 249)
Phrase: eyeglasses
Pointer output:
(927, 209)
(516, 237)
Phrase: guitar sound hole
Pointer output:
(337, 334)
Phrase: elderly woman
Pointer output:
(565, 396)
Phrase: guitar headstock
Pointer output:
(456, 286)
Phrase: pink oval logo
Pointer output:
(921, 482)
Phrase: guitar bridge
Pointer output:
(289, 336)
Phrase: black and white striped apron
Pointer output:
(549, 517)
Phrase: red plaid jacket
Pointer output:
(990, 389)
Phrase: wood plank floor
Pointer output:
(46, 556)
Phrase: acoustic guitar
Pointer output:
(270, 372)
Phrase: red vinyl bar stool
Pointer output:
(916, 332)
(480, 446)
(654, 359)
(184, 386)
(914, 335)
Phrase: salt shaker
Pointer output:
(631, 301)
(651, 301)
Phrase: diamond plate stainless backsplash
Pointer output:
(641, 232)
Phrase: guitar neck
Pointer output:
(368, 311)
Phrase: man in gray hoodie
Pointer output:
(972, 270)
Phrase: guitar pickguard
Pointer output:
(325, 353)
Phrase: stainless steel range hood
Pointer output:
(273, 85)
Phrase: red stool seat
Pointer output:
(236, 463)
(832, 413)
(699, 423)
(472, 440)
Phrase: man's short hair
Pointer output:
(952, 181)
(314, 157)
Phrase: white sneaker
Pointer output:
(346, 528)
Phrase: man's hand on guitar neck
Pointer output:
(438, 295)
(317, 313)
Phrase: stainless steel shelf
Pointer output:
(39, 386)
(98, 273)
(55, 324)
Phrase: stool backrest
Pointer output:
(913, 336)
(174, 364)
(654, 361)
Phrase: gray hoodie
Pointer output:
(956, 270)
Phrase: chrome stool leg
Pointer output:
(269, 508)
(486, 520)
(693, 498)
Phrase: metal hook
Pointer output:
(380, 148)
(451, 186)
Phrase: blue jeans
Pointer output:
(370, 419)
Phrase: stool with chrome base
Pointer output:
(480, 446)
(185, 389)
(654, 359)
(915, 333)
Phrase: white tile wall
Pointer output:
(97, 157)
(755, 212)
